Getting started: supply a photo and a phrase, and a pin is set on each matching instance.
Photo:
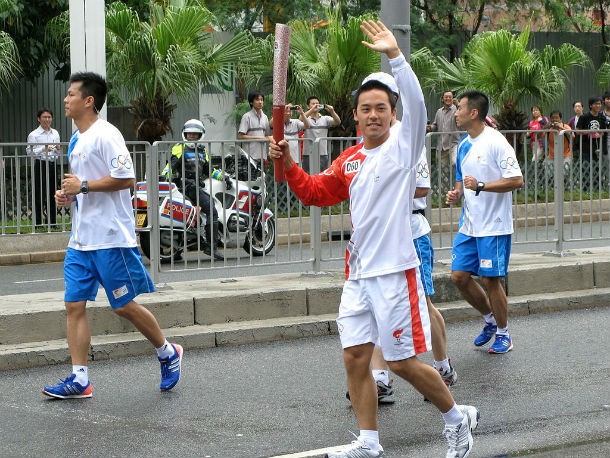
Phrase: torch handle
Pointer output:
(278, 134)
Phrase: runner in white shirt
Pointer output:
(102, 248)
(383, 295)
(487, 171)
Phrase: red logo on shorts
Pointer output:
(396, 334)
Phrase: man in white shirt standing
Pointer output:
(254, 125)
(45, 159)
(318, 128)
(487, 171)
(102, 248)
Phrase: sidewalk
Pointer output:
(209, 313)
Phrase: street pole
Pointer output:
(87, 38)
(396, 15)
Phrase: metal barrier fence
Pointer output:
(315, 237)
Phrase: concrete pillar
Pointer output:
(396, 15)
(87, 38)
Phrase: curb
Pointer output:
(22, 356)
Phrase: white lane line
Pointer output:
(37, 281)
(312, 453)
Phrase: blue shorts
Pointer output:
(482, 256)
(425, 253)
(119, 270)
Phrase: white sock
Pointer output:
(503, 331)
(81, 374)
(490, 319)
(442, 366)
(454, 416)
(371, 437)
(383, 376)
(166, 350)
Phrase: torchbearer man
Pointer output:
(383, 294)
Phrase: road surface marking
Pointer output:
(37, 281)
(312, 453)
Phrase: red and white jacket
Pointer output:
(380, 184)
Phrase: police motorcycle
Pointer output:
(243, 219)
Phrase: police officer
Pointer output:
(189, 167)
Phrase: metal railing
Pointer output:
(561, 201)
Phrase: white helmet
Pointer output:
(193, 126)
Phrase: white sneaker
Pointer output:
(459, 437)
(358, 449)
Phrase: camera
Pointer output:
(321, 107)
(294, 108)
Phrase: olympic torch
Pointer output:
(280, 70)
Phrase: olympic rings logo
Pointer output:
(509, 163)
(122, 161)
(423, 171)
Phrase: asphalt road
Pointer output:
(549, 397)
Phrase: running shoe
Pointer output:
(170, 369)
(69, 389)
(385, 393)
(450, 376)
(486, 334)
(502, 344)
(358, 449)
(459, 437)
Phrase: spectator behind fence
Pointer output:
(558, 125)
(538, 122)
(292, 128)
(318, 128)
(45, 168)
(606, 111)
(578, 110)
(593, 143)
(444, 121)
(254, 125)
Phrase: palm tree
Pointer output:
(330, 62)
(9, 55)
(500, 65)
(326, 59)
(171, 53)
(603, 76)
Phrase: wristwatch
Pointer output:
(480, 187)
(84, 187)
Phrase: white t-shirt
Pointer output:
(318, 128)
(101, 219)
(291, 134)
(419, 223)
(488, 157)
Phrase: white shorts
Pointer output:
(389, 310)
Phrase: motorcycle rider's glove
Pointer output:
(228, 183)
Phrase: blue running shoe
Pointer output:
(170, 369)
(486, 334)
(69, 389)
(502, 344)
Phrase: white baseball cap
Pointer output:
(384, 78)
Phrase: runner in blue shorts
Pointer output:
(487, 171)
(103, 246)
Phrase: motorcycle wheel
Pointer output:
(261, 243)
(167, 252)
